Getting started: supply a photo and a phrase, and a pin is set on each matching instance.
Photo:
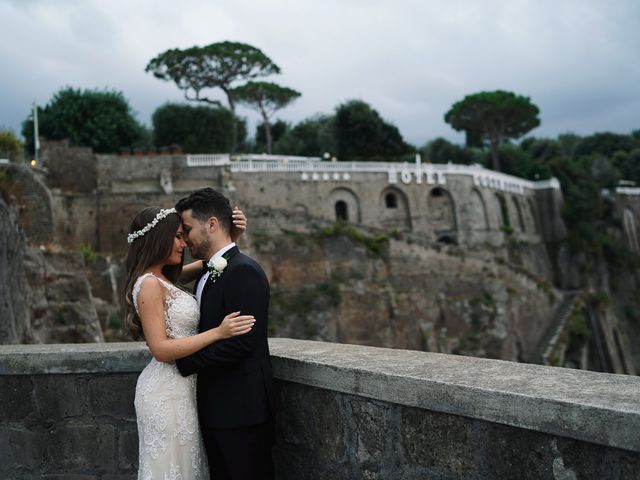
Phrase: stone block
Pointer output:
(67, 476)
(112, 395)
(15, 397)
(21, 449)
(506, 452)
(590, 461)
(314, 435)
(59, 396)
(128, 448)
(438, 442)
(81, 447)
(373, 432)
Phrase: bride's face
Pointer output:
(177, 250)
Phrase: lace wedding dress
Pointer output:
(170, 444)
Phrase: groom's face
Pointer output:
(197, 235)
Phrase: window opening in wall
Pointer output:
(342, 213)
(447, 240)
(437, 192)
(391, 200)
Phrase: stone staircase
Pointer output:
(550, 340)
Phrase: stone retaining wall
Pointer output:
(345, 411)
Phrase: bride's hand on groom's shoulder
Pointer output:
(235, 324)
(239, 223)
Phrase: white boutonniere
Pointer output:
(216, 266)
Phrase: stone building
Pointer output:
(453, 204)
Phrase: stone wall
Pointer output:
(13, 283)
(23, 186)
(344, 412)
(467, 207)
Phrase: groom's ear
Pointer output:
(213, 224)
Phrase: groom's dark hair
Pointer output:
(206, 203)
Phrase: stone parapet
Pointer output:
(345, 411)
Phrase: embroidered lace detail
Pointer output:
(170, 445)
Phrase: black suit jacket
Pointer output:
(235, 378)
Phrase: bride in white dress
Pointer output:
(167, 317)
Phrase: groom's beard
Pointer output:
(201, 251)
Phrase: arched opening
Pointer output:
(394, 210)
(391, 200)
(447, 240)
(477, 217)
(342, 211)
(534, 216)
(629, 223)
(519, 213)
(504, 212)
(440, 210)
(343, 206)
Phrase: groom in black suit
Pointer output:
(235, 379)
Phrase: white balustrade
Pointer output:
(628, 191)
(313, 169)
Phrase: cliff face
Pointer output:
(14, 291)
(44, 293)
(342, 285)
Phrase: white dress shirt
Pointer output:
(205, 277)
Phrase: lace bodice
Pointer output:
(181, 311)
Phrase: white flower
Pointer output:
(220, 264)
(216, 266)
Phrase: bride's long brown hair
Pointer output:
(145, 251)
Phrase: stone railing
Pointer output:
(345, 412)
(311, 168)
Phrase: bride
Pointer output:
(170, 444)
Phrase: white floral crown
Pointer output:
(161, 214)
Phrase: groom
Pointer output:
(235, 380)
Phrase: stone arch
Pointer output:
(441, 210)
(503, 209)
(516, 205)
(394, 208)
(345, 205)
(630, 229)
(535, 220)
(478, 217)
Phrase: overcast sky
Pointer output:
(578, 60)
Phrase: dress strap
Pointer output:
(138, 285)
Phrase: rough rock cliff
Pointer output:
(44, 293)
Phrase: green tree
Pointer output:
(493, 117)
(442, 150)
(10, 146)
(266, 98)
(197, 129)
(220, 65)
(311, 137)
(606, 143)
(278, 130)
(100, 119)
(362, 134)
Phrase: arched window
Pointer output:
(437, 192)
(390, 200)
(342, 212)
